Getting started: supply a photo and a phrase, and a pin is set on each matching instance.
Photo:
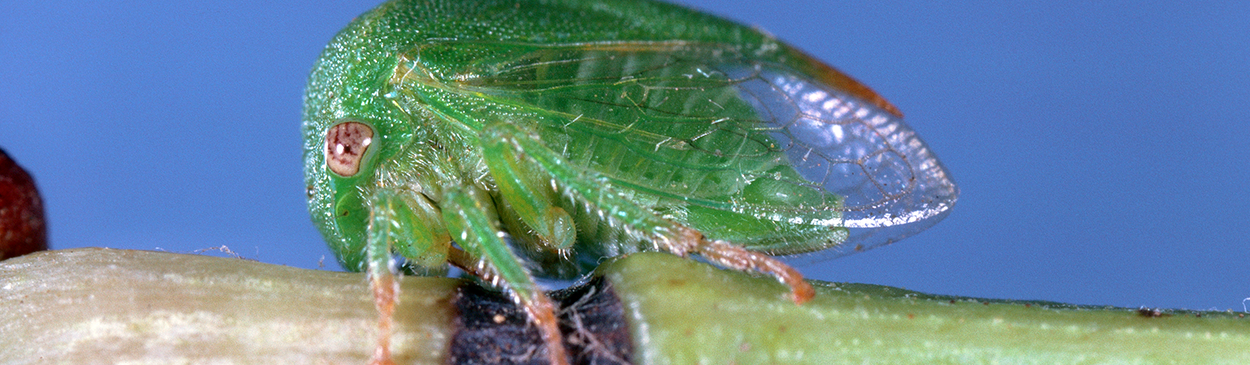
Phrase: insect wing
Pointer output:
(714, 126)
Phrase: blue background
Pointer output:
(1100, 148)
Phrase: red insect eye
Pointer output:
(346, 144)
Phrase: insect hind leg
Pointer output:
(739, 258)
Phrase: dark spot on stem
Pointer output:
(491, 329)
(592, 319)
(1151, 313)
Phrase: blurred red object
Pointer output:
(22, 228)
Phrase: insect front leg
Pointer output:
(508, 140)
(408, 224)
(464, 211)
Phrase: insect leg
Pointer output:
(530, 199)
(594, 189)
(464, 211)
(412, 227)
(419, 233)
(736, 257)
(666, 234)
(381, 275)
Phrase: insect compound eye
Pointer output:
(346, 144)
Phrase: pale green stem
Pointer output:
(112, 306)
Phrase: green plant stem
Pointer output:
(699, 314)
(86, 306)
(111, 306)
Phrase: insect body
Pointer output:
(587, 129)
